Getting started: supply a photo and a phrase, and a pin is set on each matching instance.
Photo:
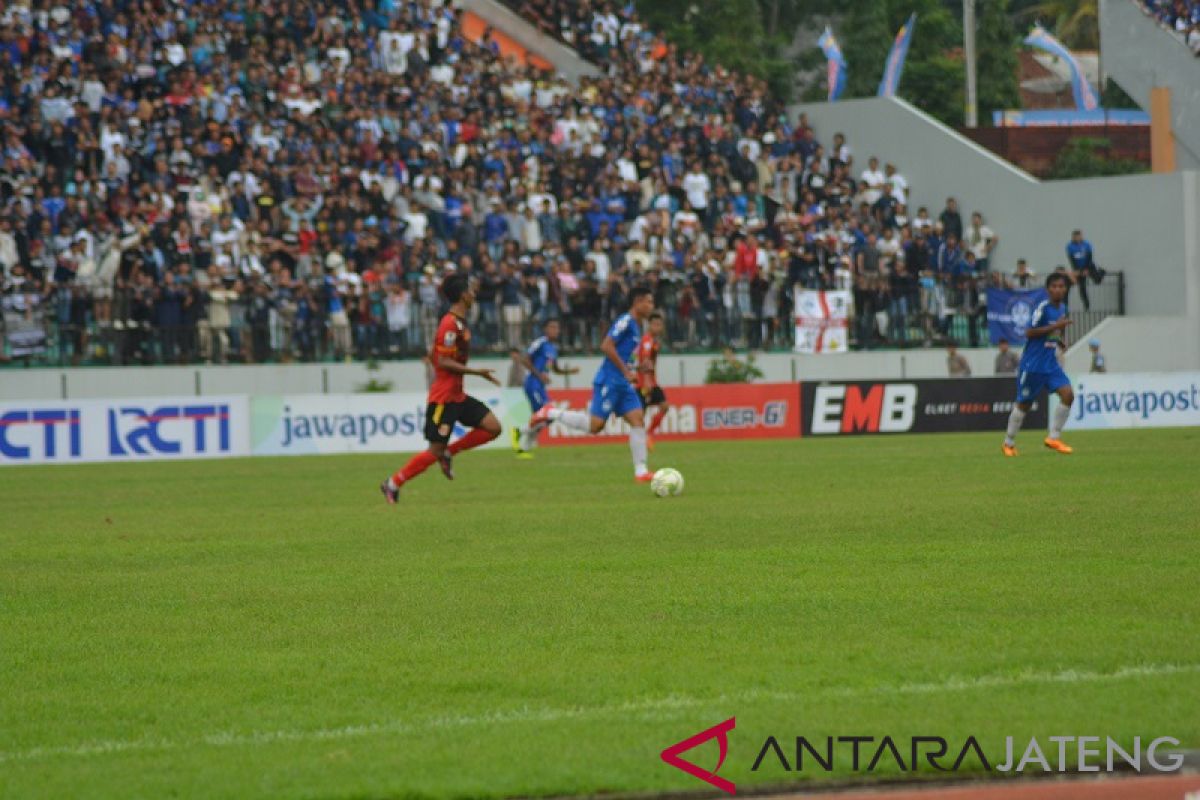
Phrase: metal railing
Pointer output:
(880, 321)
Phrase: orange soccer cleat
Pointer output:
(645, 477)
(540, 418)
(1057, 445)
(1009, 450)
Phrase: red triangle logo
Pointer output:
(720, 732)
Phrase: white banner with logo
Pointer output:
(1136, 400)
(133, 429)
(361, 423)
(822, 321)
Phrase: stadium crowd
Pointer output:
(1180, 16)
(226, 181)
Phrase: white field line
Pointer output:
(652, 706)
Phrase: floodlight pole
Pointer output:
(972, 119)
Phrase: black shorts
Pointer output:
(652, 397)
(440, 418)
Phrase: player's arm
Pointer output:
(1042, 330)
(448, 364)
(561, 370)
(609, 348)
(527, 363)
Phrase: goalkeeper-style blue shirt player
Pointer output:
(541, 359)
(614, 389)
(1039, 369)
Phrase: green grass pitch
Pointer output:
(270, 628)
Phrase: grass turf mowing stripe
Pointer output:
(232, 739)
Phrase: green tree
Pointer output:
(1086, 157)
(1075, 23)
(936, 85)
(727, 32)
(865, 37)
(996, 65)
(934, 77)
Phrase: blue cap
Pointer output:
(1093, 342)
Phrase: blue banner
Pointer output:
(1009, 312)
(835, 63)
(1085, 97)
(1066, 117)
(894, 67)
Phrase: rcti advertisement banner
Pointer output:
(135, 429)
(1136, 400)
(822, 321)
(719, 411)
(921, 406)
(360, 423)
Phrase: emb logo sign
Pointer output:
(863, 408)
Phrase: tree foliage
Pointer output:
(865, 36)
(996, 42)
(1086, 157)
(752, 36)
(1075, 23)
(726, 32)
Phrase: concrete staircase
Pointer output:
(1139, 54)
(528, 38)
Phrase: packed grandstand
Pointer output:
(1180, 16)
(224, 183)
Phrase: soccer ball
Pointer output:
(667, 482)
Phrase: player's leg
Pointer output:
(1080, 281)
(1061, 386)
(437, 433)
(525, 439)
(628, 405)
(590, 421)
(660, 413)
(484, 426)
(1028, 386)
(657, 400)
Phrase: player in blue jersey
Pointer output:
(614, 389)
(1039, 369)
(541, 359)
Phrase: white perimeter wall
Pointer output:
(1127, 342)
(1140, 344)
(99, 382)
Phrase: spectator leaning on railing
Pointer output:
(1083, 265)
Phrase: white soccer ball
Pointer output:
(667, 482)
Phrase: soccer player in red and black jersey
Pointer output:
(448, 403)
(647, 373)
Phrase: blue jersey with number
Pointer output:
(1041, 352)
(625, 334)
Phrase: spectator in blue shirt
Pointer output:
(495, 230)
(950, 257)
(1083, 266)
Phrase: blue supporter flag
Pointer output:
(835, 63)
(1009, 312)
(1085, 96)
(894, 67)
